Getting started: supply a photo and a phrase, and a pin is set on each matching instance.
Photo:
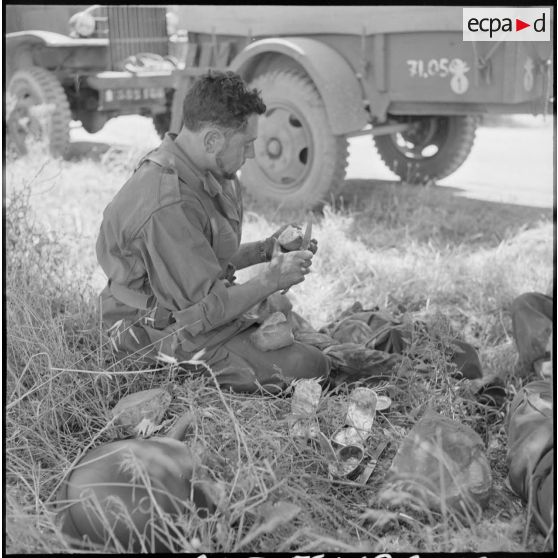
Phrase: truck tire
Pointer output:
(435, 147)
(32, 87)
(297, 158)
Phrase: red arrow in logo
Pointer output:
(519, 24)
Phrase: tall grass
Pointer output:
(406, 249)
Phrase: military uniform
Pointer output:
(166, 244)
(530, 417)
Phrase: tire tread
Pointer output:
(334, 159)
(462, 141)
(61, 117)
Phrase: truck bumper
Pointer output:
(121, 90)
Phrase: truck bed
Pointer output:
(257, 20)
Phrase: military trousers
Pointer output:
(529, 424)
(228, 354)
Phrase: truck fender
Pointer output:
(333, 77)
(19, 46)
(49, 39)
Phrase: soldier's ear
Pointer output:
(212, 140)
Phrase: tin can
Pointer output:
(384, 403)
(348, 462)
(362, 409)
(359, 419)
(304, 404)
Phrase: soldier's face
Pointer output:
(236, 149)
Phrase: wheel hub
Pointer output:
(423, 140)
(274, 148)
(285, 146)
(421, 132)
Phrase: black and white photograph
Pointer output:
(279, 279)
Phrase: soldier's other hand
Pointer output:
(313, 247)
(289, 268)
(269, 242)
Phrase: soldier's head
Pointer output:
(222, 113)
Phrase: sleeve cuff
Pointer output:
(266, 249)
(206, 314)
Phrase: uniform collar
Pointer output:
(170, 153)
(187, 169)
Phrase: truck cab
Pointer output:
(87, 63)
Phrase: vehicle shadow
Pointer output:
(384, 214)
(431, 213)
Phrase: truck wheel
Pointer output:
(297, 158)
(433, 148)
(41, 111)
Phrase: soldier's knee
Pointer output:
(532, 302)
(234, 373)
(305, 361)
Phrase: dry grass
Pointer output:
(408, 248)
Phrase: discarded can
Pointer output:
(362, 408)
(348, 436)
(384, 402)
(347, 463)
(304, 404)
(359, 419)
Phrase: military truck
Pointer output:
(88, 63)
(401, 74)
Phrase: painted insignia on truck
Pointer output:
(442, 67)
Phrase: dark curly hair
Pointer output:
(221, 99)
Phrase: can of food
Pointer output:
(383, 403)
(304, 404)
(348, 436)
(359, 419)
(362, 409)
(348, 462)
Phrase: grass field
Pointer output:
(445, 259)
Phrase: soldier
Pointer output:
(530, 418)
(170, 241)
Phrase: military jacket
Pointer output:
(166, 240)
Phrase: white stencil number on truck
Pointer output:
(442, 67)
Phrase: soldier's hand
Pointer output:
(287, 269)
(313, 247)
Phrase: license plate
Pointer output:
(132, 95)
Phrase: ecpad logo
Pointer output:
(506, 24)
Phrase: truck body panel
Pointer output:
(331, 70)
(257, 20)
(398, 54)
